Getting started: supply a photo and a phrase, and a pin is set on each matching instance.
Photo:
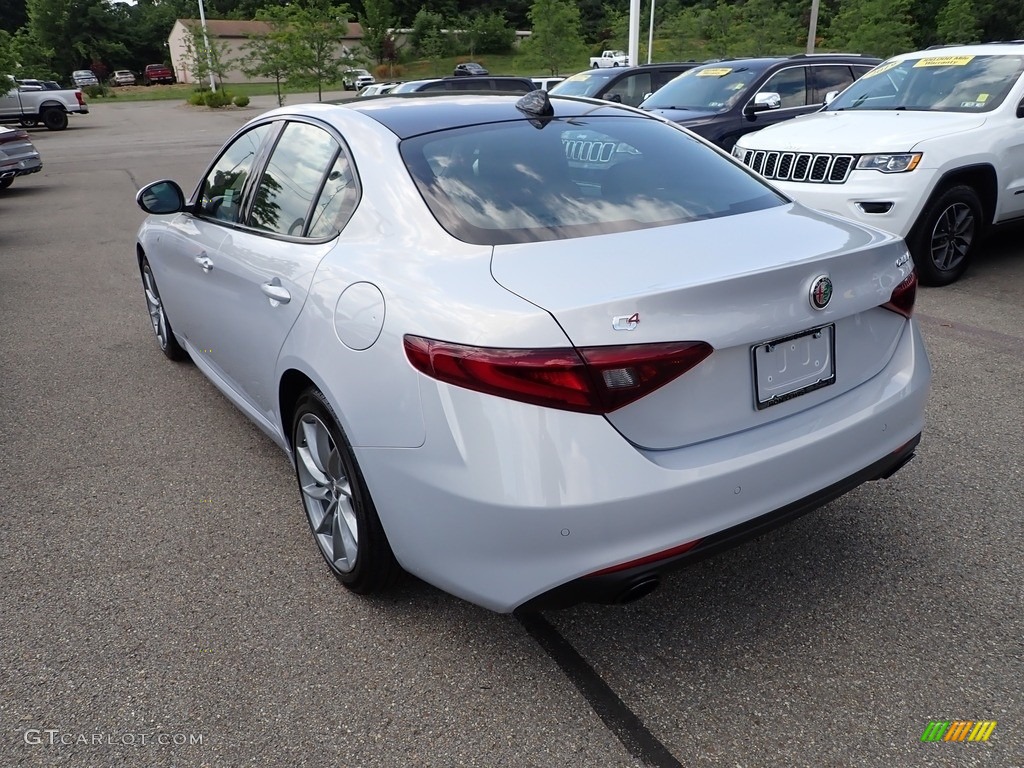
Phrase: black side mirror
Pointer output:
(1020, 109)
(161, 197)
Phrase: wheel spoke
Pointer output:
(326, 523)
(319, 442)
(344, 538)
(308, 464)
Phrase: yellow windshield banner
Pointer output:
(714, 72)
(883, 67)
(943, 61)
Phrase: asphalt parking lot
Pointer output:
(161, 602)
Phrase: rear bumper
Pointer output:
(507, 504)
(21, 168)
(630, 584)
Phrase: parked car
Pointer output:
(157, 73)
(18, 156)
(122, 77)
(546, 83)
(928, 146)
(724, 100)
(354, 79)
(609, 59)
(478, 83)
(43, 85)
(81, 78)
(623, 85)
(469, 69)
(377, 89)
(522, 390)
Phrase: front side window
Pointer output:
(293, 179)
(221, 194)
(790, 84)
(631, 89)
(936, 83)
(510, 182)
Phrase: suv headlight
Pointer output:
(889, 163)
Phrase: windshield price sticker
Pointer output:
(944, 61)
(883, 68)
(714, 72)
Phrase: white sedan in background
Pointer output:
(533, 351)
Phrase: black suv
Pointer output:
(623, 85)
(722, 100)
(475, 83)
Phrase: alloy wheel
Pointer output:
(952, 236)
(327, 493)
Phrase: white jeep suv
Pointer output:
(928, 145)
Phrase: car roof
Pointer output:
(1001, 48)
(425, 113)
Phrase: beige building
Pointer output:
(232, 37)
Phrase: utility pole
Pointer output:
(811, 32)
(650, 35)
(206, 42)
(634, 32)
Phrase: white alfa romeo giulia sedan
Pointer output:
(533, 350)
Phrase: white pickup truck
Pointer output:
(32, 104)
(609, 59)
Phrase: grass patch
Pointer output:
(505, 64)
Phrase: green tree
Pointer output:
(765, 28)
(315, 33)
(204, 55)
(556, 42)
(428, 25)
(379, 22)
(878, 27)
(269, 54)
(79, 32)
(7, 63)
(958, 23)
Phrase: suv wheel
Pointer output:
(945, 235)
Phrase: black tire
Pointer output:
(55, 119)
(5, 183)
(28, 123)
(158, 317)
(946, 235)
(339, 510)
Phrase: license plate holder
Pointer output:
(794, 365)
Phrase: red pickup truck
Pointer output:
(157, 73)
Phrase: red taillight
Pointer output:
(81, 101)
(663, 555)
(903, 296)
(588, 380)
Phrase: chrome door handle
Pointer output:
(275, 291)
(204, 261)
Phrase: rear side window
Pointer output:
(306, 165)
(830, 78)
(510, 182)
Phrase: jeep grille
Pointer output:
(798, 166)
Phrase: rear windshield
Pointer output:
(526, 181)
